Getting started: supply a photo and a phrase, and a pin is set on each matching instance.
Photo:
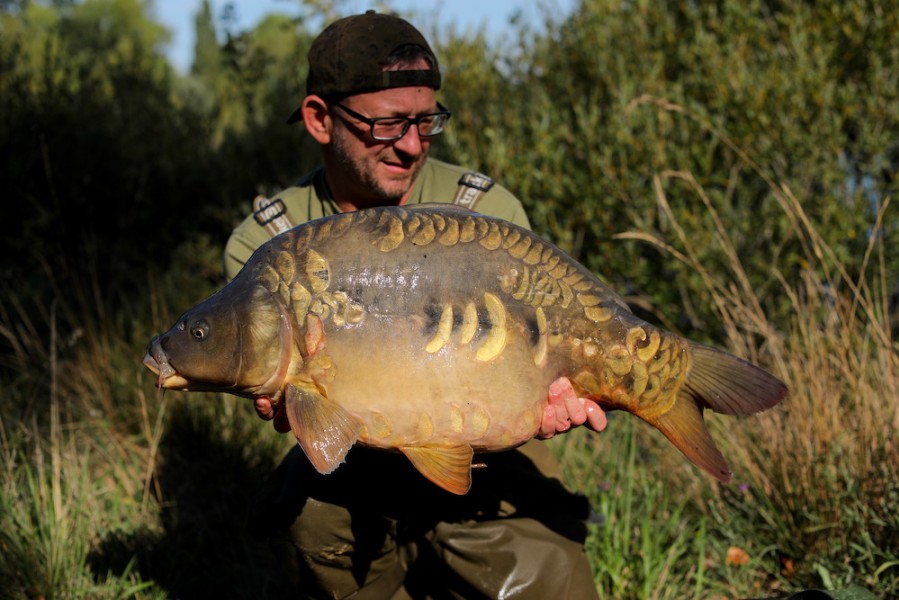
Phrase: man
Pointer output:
(375, 528)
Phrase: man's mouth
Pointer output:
(399, 168)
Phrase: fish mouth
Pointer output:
(167, 377)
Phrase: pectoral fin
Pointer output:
(324, 429)
(450, 468)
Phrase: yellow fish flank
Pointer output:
(436, 331)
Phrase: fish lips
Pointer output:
(156, 360)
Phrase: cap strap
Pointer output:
(409, 78)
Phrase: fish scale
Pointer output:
(436, 332)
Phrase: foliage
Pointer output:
(94, 149)
(738, 94)
(728, 165)
(103, 142)
(816, 477)
(643, 539)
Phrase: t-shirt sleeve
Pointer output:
(500, 202)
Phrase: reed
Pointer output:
(110, 489)
(813, 503)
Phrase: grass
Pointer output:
(111, 490)
(646, 545)
(814, 499)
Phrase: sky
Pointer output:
(178, 16)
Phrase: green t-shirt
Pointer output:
(310, 199)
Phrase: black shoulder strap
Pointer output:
(271, 214)
(471, 187)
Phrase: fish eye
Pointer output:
(199, 330)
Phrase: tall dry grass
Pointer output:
(814, 503)
(109, 489)
(837, 354)
(112, 490)
(72, 471)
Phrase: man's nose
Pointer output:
(411, 143)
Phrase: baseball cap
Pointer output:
(349, 56)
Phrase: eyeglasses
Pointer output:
(386, 129)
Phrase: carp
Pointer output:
(436, 332)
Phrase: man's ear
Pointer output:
(317, 118)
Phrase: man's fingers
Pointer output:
(565, 410)
(557, 390)
(570, 411)
(596, 417)
(268, 412)
(264, 408)
(548, 425)
(577, 413)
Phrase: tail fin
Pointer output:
(730, 385)
(726, 384)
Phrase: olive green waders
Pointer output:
(375, 528)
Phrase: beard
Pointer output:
(362, 170)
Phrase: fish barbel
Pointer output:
(436, 331)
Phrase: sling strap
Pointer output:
(271, 214)
(471, 187)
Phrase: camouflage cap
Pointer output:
(349, 57)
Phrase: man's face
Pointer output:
(378, 172)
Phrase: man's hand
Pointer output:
(266, 411)
(565, 410)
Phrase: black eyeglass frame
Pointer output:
(372, 121)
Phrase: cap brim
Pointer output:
(296, 116)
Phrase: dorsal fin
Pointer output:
(441, 207)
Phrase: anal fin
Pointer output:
(684, 426)
(448, 467)
(324, 429)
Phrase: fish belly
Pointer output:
(407, 396)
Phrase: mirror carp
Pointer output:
(436, 331)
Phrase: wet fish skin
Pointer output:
(436, 331)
